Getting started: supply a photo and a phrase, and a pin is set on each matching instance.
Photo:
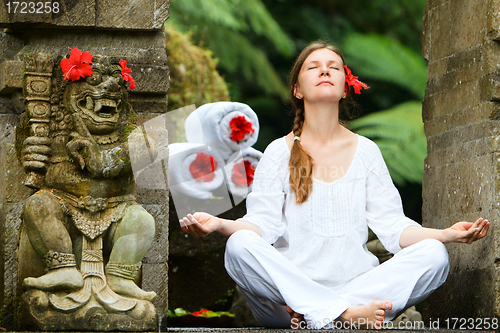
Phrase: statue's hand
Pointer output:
(36, 152)
(86, 153)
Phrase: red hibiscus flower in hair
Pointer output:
(203, 167)
(352, 80)
(126, 73)
(243, 173)
(77, 66)
(240, 127)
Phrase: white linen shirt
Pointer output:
(325, 236)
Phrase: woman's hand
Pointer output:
(466, 232)
(200, 224)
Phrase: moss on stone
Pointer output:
(193, 75)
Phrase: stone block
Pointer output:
(11, 76)
(440, 30)
(465, 58)
(81, 13)
(150, 79)
(4, 16)
(148, 103)
(468, 24)
(458, 97)
(24, 13)
(11, 44)
(137, 47)
(494, 20)
(490, 87)
(158, 254)
(11, 297)
(437, 68)
(132, 14)
(157, 281)
(6, 107)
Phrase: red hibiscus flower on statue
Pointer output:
(243, 173)
(240, 127)
(351, 80)
(126, 73)
(77, 66)
(203, 167)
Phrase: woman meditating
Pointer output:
(315, 193)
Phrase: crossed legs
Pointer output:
(270, 281)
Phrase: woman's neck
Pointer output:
(321, 123)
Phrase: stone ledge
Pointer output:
(267, 330)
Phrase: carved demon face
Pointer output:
(98, 98)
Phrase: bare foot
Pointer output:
(295, 318)
(66, 278)
(368, 316)
(127, 287)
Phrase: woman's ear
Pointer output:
(296, 92)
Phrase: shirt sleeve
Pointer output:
(265, 203)
(384, 209)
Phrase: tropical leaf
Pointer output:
(225, 27)
(399, 133)
(382, 58)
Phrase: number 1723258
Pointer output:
(48, 7)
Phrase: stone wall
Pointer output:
(461, 113)
(128, 29)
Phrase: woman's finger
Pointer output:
(474, 235)
(484, 231)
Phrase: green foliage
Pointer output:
(226, 28)
(379, 57)
(399, 133)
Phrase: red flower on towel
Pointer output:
(126, 73)
(243, 173)
(352, 80)
(240, 127)
(78, 65)
(203, 167)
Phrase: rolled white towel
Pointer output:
(194, 170)
(226, 126)
(240, 169)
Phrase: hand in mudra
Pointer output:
(467, 232)
(199, 224)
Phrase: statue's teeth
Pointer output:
(108, 102)
(90, 103)
(98, 106)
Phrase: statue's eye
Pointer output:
(95, 78)
(117, 74)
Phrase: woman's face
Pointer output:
(321, 77)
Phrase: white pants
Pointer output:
(269, 281)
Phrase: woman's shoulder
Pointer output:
(369, 151)
(277, 148)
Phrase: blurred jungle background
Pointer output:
(242, 50)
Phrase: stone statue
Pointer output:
(74, 140)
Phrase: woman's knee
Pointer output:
(239, 246)
(435, 254)
(238, 243)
